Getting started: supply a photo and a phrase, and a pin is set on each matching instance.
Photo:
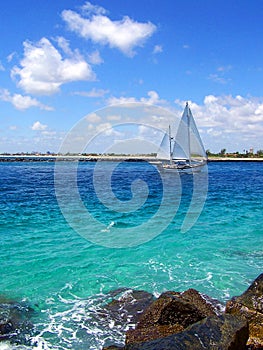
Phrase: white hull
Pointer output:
(183, 168)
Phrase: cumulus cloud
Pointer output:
(93, 24)
(37, 126)
(22, 102)
(232, 122)
(235, 121)
(43, 69)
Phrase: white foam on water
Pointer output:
(80, 323)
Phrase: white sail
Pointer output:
(164, 150)
(188, 144)
(181, 149)
(197, 150)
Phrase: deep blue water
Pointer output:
(66, 277)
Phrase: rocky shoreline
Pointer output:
(193, 321)
(185, 320)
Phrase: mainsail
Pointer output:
(187, 144)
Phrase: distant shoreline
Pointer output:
(234, 159)
(92, 158)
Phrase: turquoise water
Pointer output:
(66, 277)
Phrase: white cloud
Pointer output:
(224, 68)
(93, 118)
(11, 56)
(232, 122)
(114, 118)
(152, 99)
(92, 93)
(157, 49)
(217, 78)
(121, 100)
(22, 102)
(220, 77)
(64, 45)
(43, 69)
(2, 68)
(108, 130)
(125, 34)
(37, 126)
(95, 58)
(89, 8)
(48, 133)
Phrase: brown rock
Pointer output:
(154, 332)
(171, 313)
(177, 308)
(225, 332)
(249, 305)
(207, 305)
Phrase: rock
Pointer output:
(138, 335)
(171, 313)
(128, 307)
(176, 308)
(249, 305)
(15, 324)
(203, 302)
(225, 332)
(124, 310)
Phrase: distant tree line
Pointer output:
(245, 154)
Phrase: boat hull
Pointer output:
(183, 168)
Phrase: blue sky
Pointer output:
(63, 60)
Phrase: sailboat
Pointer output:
(185, 151)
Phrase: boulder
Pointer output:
(225, 332)
(138, 335)
(15, 324)
(171, 313)
(249, 305)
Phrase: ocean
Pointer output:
(63, 252)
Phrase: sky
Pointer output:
(62, 61)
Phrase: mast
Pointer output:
(170, 145)
(188, 131)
